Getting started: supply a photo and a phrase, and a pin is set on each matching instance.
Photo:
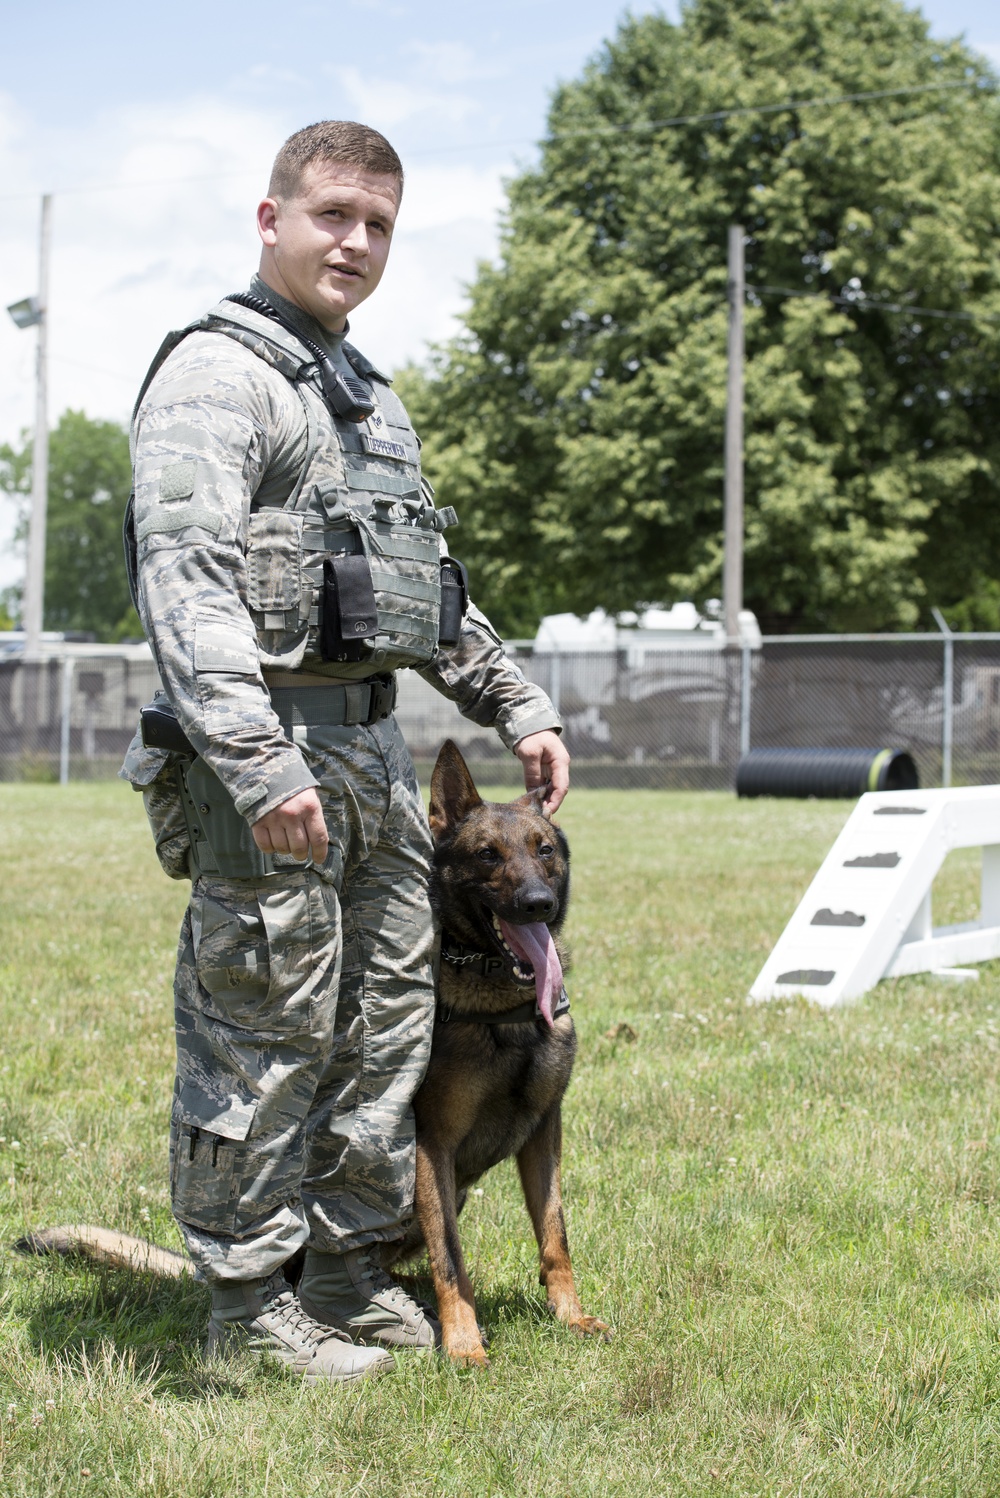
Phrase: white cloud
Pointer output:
(266, 72)
(131, 263)
(387, 103)
(437, 196)
(451, 62)
(386, 7)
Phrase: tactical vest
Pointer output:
(343, 557)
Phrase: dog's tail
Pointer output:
(102, 1246)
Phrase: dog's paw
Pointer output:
(589, 1326)
(468, 1357)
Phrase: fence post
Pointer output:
(948, 691)
(745, 689)
(732, 550)
(65, 710)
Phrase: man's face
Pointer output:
(326, 248)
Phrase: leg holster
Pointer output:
(221, 840)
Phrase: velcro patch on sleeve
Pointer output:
(177, 480)
(178, 520)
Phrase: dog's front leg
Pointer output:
(438, 1214)
(538, 1163)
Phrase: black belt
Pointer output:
(357, 702)
(336, 706)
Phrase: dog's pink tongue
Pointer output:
(534, 945)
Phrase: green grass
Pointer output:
(788, 1215)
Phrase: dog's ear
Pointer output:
(453, 792)
(535, 801)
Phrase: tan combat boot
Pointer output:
(350, 1292)
(265, 1318)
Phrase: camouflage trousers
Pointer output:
(304, 1009)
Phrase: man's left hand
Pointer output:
(546, 762)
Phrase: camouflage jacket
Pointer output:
(219, 440)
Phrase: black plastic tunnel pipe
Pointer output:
(826, 773)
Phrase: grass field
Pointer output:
(789, 1216)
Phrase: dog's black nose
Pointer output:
(536, 902)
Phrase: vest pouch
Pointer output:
(279, 593)
(349, 618)
(406, 574)
(454, 600)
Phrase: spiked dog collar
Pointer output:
(519, 1016)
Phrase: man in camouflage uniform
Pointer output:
(304, 987)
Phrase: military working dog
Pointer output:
(504, 1042)
(501, 1059)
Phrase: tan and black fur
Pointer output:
(105, 1246)
(491, 1090)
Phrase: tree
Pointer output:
(577, 422)
(89, 480)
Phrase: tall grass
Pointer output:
(788, 1215)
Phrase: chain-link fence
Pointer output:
(635, 717)
(639, 716)
(71, 717)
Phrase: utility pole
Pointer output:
(34, 583)
(732, 563)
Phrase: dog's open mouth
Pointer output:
(533, 951)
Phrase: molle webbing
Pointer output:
(339, 495)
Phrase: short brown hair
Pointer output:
(332, 140)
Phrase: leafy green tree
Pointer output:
(577, 422)
(89, 479)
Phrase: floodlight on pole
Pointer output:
(26, 314)
(32, 312)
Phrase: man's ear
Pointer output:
(453, 791)
(267, 218)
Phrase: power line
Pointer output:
(725, 114)
(631, 128)
(112, 374)
(865, 304)
(62, 192)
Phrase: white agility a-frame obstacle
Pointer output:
(867, 913)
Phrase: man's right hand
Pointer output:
(296, 826)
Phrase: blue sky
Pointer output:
(155, 126)
(447, 75)
(483, 70)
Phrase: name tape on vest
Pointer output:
(381, 447)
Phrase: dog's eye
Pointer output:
(546, 850)
(488, 855)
